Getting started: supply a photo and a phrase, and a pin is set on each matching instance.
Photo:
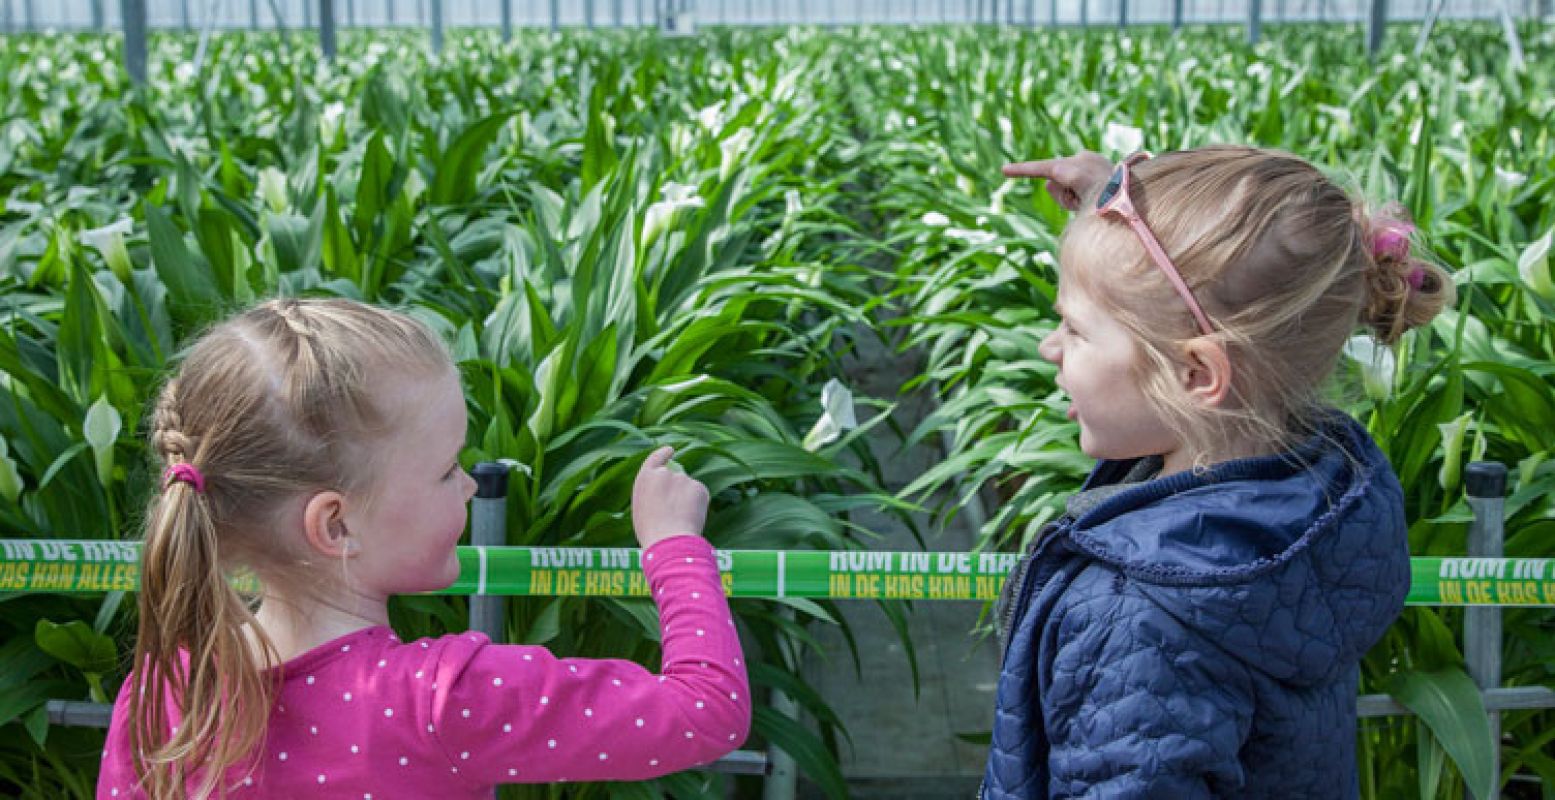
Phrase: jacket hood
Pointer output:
(1296, 563)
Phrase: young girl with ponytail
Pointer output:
(314, 444)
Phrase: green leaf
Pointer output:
(338, 250)
(808, 752)
(191, 292)
(1450, 706)
(1431, 761)
(546, 625)
(59, 463)
(76, 644)
(215, 233)
(456, 172)
(105, 612)
(643, 613)
(745, 461)
(36, 722)
(32, 694)
(770, 676)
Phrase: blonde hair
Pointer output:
(1281, 260)
(271, 404)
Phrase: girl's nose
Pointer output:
(1050, 349)
(469, 485)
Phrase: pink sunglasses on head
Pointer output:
(1114, 200)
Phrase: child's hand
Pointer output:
(1070, 180)
(665, 502)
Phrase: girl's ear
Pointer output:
(1206, 372)
(324, 526)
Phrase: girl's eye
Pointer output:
(451, 471)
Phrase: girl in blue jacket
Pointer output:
(1192, 626)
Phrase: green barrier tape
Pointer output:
(71, 566)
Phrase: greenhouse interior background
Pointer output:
(776, 234)
(62, 15)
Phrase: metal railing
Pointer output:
(960, 575)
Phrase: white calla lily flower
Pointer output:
(837, 415)
(733, 149)
(109, 241)
(272, 189)
(1452, 449)
(970, 236)
(1534, 267)
(1509, 180)
(1377, 362)
(10, 476)
(1121, 140)
(658, 216)
(101, 430)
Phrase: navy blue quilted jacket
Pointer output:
(1199, 635)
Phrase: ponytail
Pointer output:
(192, 652)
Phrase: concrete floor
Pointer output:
(906, 747)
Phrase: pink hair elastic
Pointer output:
(1391, 240)
(183, 472)
(1416, 278)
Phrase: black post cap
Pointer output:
(1485, 479)
(491, 479)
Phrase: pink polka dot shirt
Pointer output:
(369, 716)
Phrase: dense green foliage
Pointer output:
(630, 240)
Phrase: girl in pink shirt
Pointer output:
(315, 444)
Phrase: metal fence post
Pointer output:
(1485, 485)
(327, 28)
(437, 26)
(488, 528)
(1375, 25)
(488, 515)
(133, 12)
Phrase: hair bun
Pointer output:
(1402, 292)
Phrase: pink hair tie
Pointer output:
(1390, 240)
(183, 472)
(1416, 278)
